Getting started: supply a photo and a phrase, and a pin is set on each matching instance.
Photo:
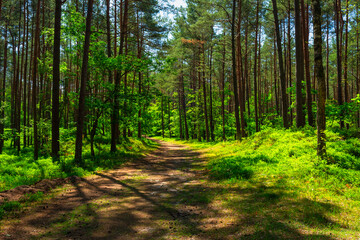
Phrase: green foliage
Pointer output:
(289, 156)
(8, 206)
(23, 170)
(231, 167)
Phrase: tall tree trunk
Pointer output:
(169, 117)
(300, 116)
(204, 92)
(162, 117)
(289, 80)
(277, 108)
(281, 67)
(184, 105)
(222, 79)
(346, 85)
(327, 59)
(233, 50)
(180, 114)
(115, 114)
(26, 20)
(240, 73)
(320, 77)
(357, 61)
(257, 127)
(84, 77)
(55, 129)
(246, 70)
(211, 97)
(34, 80)
(3, 91)
(339, 56)
(305, 37)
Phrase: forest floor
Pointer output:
(165, 195)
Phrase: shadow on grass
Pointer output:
(238, 167)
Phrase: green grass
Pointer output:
(9, 207)
(276, 177)
(16, 170)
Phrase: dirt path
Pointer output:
(157, 197)
(166, 195)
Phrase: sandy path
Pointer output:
(150, 198)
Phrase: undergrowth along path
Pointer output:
(165, 195)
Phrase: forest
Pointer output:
(252, 106)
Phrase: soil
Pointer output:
(157, 197)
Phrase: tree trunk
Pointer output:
(34, 73)
(233, 50)
(162, 117)
(84, 77)
(305, 37)
(184, 106)
(300, 116)
(357, 62)
(257, 127)
(56, 83)
(222, 79)
(211, 98)
(338, 57)
(26, 20)
(169, 116)
(281, 67)
(3, 91)
(180, 113)
(346, 85)
(289, 80)
(204, 92)
(320, 77)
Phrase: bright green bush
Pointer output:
(289, 155)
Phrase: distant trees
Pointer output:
(251, 76)
(66, 64)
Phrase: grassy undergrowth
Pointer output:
(11, 207)
(16, 170)
(276, 177)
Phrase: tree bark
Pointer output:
(233, 50)
(346, 84)
(281, 67)
(327, 59)
(34, 80)
(55, 129)
(300, 116)
(204, 93)
(320, 77)
(84, 77)
(3, 91)
(339, 56)
(222, 79)
(162, 117)
(305, 37)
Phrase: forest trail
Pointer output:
(167, 195)
(157, 197)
